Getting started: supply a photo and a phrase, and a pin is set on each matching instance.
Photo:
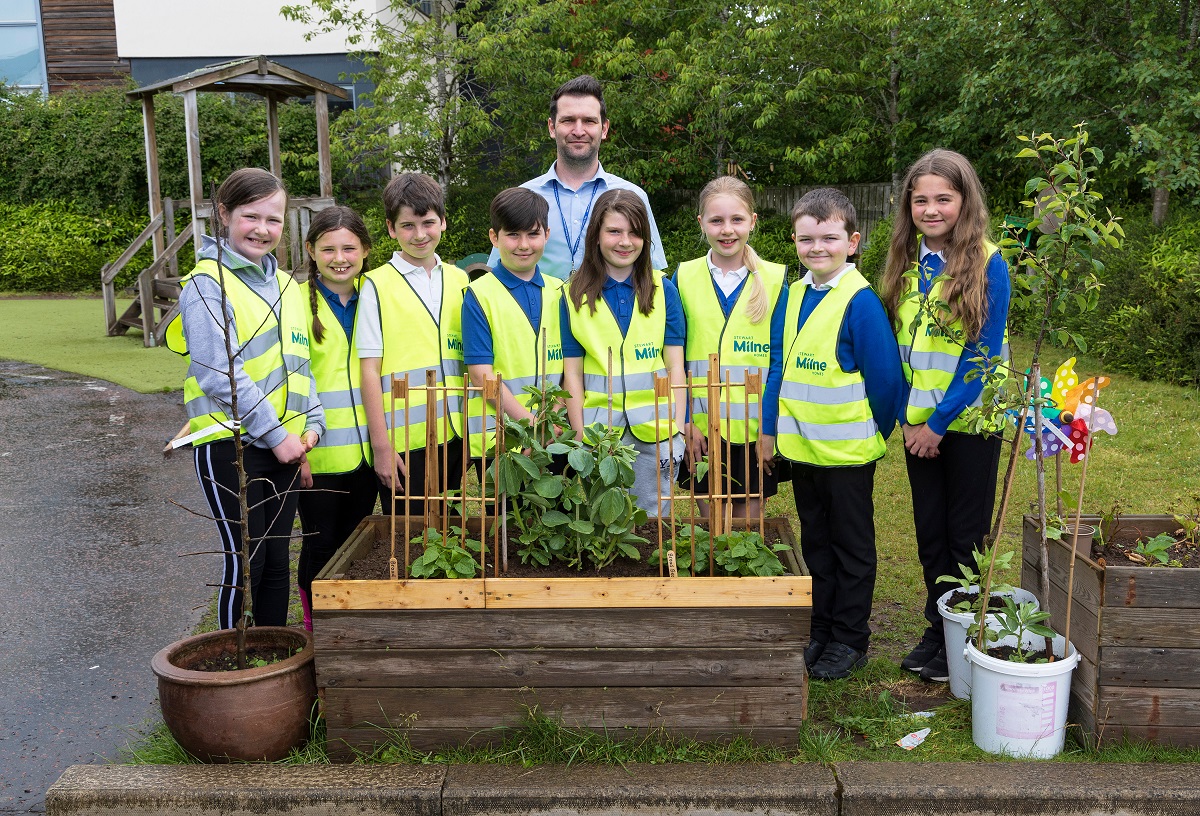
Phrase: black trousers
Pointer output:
(329, 512)
(450, 468)
(271, 494)
(837, 538)
(953, 497)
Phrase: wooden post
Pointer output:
(324, 165)
(191, 129)
(152, 181)
(273, 137)
(169, 226)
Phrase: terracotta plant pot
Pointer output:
(249, 714)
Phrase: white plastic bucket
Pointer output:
(955, 624)
(1020, 709)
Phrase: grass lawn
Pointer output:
(1151, 466)
(67, 334)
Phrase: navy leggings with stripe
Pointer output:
(272, 494)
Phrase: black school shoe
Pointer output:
(812, 653)
(838, 661)
(936, 670)
(922, 653)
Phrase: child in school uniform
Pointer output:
(841, 389)
(941, 226)
(409, 321)
(247, 302)
(734, 304)
(510, 315)
(338, 469)
(616, 303)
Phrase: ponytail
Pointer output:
(318, 330)
(756, 306)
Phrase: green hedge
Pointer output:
(54, 246)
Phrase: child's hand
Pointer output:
(310, 440)
(306, 479)
(697, 444)
(920, 441)
(386, 474)
(766, 452)
(290, 451)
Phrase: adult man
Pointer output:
(578, 123)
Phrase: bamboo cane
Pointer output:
(662, 388)
(1079, 514)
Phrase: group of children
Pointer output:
(314, 366)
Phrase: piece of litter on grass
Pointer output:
(921, 715)
(914, 739)
(92, 667)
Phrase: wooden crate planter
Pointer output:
(1138, 632)
(456, 661)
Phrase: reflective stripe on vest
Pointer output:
(824, 416)
(413, 342)
(517, 351)
(637, 360)
(930, 358)
(273, 351)
(345, 444)
(741, 346)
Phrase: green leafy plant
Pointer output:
(738, 552)
(1158, 549)
(973, 578)
(454, 556)
(1017, 619)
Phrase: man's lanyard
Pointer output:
(583, 225)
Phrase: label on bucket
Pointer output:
(1026, 711)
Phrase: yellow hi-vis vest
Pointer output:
(517, 351)
(274, 354)
(637, 360)
(414, 342)
(345, 445)
(824, 416)
(739, 344)
(931, 358)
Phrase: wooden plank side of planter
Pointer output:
(1085, 622)
(1143, 626)
(1162, 587)
(594, 592)
(487, 668)
(1150, 667)
(1186, 736)
(1084, 685)
(464, 593)
(1149, 706)
(556, 628)
(727, 707)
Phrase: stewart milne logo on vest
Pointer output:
(299, 337)
(645, 351)
(554, 352)
(454, 343)
(808, 362)
(747, 344)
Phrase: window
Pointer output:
(22, 59)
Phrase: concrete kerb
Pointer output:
(850, 789)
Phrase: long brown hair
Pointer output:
(756, 306)
(587, 281)
(328, 220)
(966, 260)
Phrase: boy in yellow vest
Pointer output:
(511, 314)
(842, 390)
(409, 321)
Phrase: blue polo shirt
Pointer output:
(344, 313)
(570, 212)
(477, 332)
(622, 300)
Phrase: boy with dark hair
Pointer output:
(519, 298)
(842, 391)
(410, 320)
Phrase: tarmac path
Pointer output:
(91, 585)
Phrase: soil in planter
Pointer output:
(227, 661)
(373, 565)
(1121, 550)
(1032, 655)
(994, 601)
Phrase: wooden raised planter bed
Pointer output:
(457, 661)
(1138, 632)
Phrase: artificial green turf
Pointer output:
(68, 334)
